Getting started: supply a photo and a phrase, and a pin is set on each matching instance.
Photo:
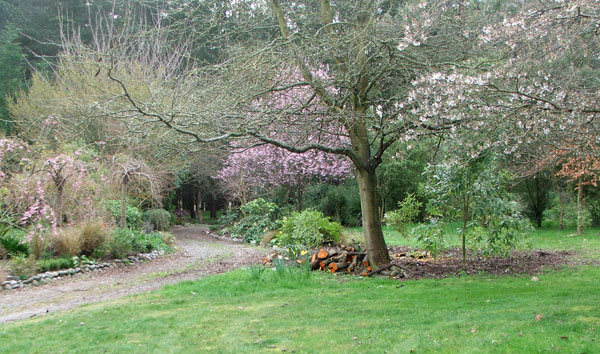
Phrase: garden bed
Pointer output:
(450, 263)
(14, 282)
(410, 263)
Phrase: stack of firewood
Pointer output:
(341, 259)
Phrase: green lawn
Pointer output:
(236, 312)
(588, 244)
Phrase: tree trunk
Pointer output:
(60, 188)
(299, 196)
(580, 207)
(464, 238)
(199, 211)
(374, 241)
(124, 185)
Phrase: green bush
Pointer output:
(121, 242)
(159, 218)
(44, 265)
(309, 228)
(260, 216)
(407, 211)
(23, 266)
(127, 241)
(430, 237)
(133, 216)
(145, 243)
(13, 245)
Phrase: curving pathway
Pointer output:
(198, 255)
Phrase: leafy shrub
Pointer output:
(94, 235)
(260, 216)
(23, 266)
(133, 215)
(159, 218)
(229, 218)
(430, 236)
(127, 241)
(144, 243)
(407, 211)
(121, 242)
(308, 228)
(44, 265)
(14, 245)
(67, 242)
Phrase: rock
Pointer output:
(62, 273)
(12, 282)
(12, 277)
(5, 283)
(6, 287)
(77, 270)
(28, 280)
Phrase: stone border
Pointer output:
(13, 282)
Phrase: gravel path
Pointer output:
(198, 255)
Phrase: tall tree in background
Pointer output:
(12, 74)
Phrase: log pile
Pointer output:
(341, 258)
(353, 260)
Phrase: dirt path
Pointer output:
(198, 255)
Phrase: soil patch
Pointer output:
(450, 263)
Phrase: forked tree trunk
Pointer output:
(374, 241)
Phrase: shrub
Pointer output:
(23, 266)
(38, 245)
(121, 242)
(401, 218)
(144, 243)
(260, 216)
(159, 218)
(94, 235)
(14, 246)
(308, 228)
(44, 265)
(67, 242)
(133, 215)
(126, 241)
(430, 236)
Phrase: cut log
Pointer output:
(365, 260)
(332, 252)
(337, 266)
(315, 264)
(322, 253)
(313, 258)
(325, 263)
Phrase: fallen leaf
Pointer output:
(539, 317)
(535, 279)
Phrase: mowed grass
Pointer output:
(233, 313)
(236, 312)
(586, 244)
